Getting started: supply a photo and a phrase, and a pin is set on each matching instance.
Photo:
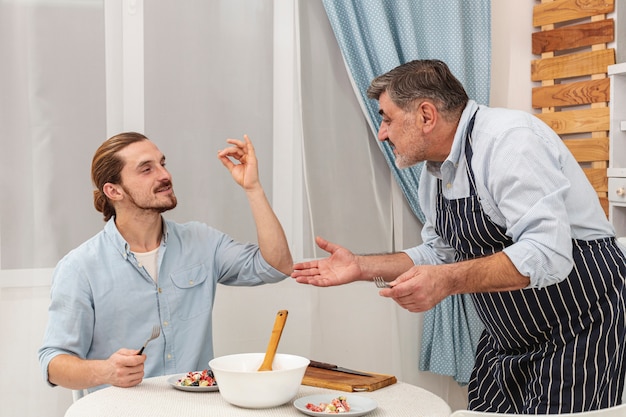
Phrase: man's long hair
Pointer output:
(106, 167)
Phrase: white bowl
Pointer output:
(241, 383)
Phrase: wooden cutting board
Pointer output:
(325, 378)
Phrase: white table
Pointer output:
(155, 397)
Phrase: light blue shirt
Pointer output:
(528, 182)
(102, 299)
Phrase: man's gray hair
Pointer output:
(418, 80)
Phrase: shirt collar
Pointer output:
(165, 232)
(110, 229)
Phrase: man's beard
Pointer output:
(411, 156)
(403, 161)
(158, 208)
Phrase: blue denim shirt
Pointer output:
(103, 300)
(527, 181)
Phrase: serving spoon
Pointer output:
(279, 324)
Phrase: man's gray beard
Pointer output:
(402, 162)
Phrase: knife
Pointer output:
(331, 367)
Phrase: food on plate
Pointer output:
(336, 406)
(203, 378)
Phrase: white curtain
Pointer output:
(52, 117)
(190, 74)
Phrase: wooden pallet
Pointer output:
(575, 89)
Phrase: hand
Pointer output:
(245, 173)
(125, 368)
(340, 268)
(419, 289)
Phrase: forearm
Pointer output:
(492, 273)
(388, 266)
(270, 234)
(74, 373)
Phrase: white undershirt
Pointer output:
(149, 260)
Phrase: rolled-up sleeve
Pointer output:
(433, 251)
(243, 264)
(70, 317)
(234, 263)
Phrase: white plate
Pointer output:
(359, 406)
(173, 381)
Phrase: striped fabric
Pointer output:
(552, 350)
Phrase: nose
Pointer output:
(382, 132)
(164, 174)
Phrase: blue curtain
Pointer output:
(377, 35)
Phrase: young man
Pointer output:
(512, 220)
(142, 270)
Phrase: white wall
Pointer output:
(24, 293)
(511, 28)
(24, 298)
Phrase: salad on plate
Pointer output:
(198, 381)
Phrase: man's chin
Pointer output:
(171, 206)
(401, 164)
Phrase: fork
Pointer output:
(156, 331)
(381, 283)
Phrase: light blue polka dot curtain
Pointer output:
(377, 35)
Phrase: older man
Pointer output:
(511, 219)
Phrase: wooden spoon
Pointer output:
(279, 323)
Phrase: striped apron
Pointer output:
(549, 350)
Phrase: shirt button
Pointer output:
(169, 356)
(165, 323)
(140, 265)
(160, 290)
(190, 282)
(448, 185)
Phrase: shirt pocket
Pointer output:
(192, 292)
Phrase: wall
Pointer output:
(24, 297)
(511, 28)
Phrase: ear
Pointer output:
(113, 191)
(427, 112)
